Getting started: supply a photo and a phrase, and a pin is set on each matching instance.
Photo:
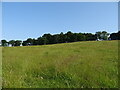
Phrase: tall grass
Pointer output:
(90, 64)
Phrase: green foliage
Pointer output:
(42, 41)
(56, 38)
(48, 38)
(102, 35)
(64, 38)
(18, 43)
(12, 42)
(24, 43)
(115, 36)
(88, 64)
(30, 41)
(4, 43)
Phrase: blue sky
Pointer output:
(22, 20)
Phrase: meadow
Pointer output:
(86, 64)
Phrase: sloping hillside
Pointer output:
(70, 65)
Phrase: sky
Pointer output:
(22, 20)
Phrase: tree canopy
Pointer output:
(63, 38)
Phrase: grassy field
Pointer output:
(90, 64)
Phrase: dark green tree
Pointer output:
(24, 43)
(29, 41)
(35, 42)
(4, 43)
(55, 38)
(62, 38)
(115, 36)
(90, 37)
(48, 38)
(69, 36)
(42, 41)
(18, 42)
(12, 42)
(81, 37)
(102, 35)
(98, 34)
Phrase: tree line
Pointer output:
(63, 38)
